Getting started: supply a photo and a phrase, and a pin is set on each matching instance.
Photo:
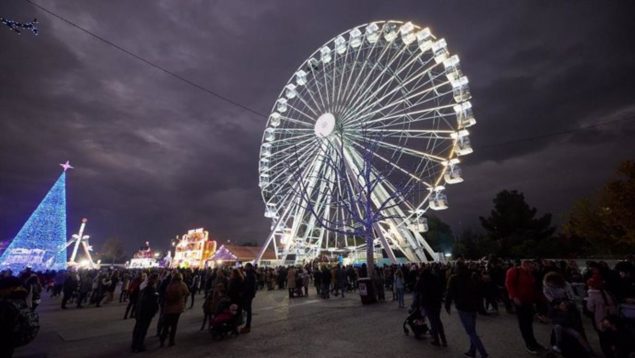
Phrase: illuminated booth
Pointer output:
(144, 258)
(194, 249)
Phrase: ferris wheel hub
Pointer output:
(325, 125)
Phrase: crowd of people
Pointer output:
(553, 292)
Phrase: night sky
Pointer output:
(155, 156)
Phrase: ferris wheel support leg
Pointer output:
(384, 243)
(271, 236)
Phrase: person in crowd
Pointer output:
(601, 304)
(34, 291)
(282, 277)
(317, 281)
(399, 288)
(379, 282)
(85, 285)
(248, 294)
(429, 291)
(521, 287)
(194, 286)
(211, 303)
(111, 286)
(104, 285)
(70, 285)
(562, 311)
(175, 296)
(147, 307)
(221, 278)
(464, 291)
(125, 286)
(133, 294)
(235, 287)
(325, 278)
(291, 283)
(341, 280)
(306, 281)
(619, 339)
(161, 289)
(14, 309)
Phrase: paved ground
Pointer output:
(307, 327)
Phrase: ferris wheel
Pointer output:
(388, 84)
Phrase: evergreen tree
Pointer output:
(514, 227)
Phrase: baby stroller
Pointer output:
(417, 322)
(225, 321)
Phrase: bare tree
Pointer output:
(351, 179)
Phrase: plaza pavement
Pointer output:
(300, 327)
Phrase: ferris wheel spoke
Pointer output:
(306, 104)
(306, 153)
(355, 96)
(317, 88)
(354, 86)
(355, 113)
(400, 120)
(415, 56)
(365, 96)
(342, 93)
(310, 118)
(284, 147)
(302, 175)
(342, 75)
(410, 133)
(384, 92)
(412, 152)
(392, 164)
(296, 121)
(361, 117)
(369, 53)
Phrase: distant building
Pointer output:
(232, 254)
(194, 249)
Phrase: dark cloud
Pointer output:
(156, 156)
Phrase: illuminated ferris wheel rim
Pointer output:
(325, 121)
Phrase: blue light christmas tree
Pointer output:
(41, 243)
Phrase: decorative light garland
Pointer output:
(17, 26)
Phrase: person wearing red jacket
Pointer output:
(521, 287)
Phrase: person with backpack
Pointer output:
(522, 289)
(19, 324)
(147, 307)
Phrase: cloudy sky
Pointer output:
(156, 156)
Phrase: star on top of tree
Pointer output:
(67, 166)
